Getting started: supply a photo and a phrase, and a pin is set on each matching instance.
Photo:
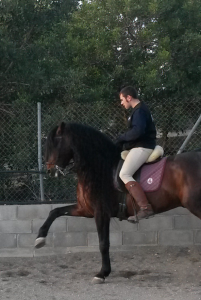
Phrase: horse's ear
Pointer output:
(60, 129)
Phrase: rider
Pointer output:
(140, 139)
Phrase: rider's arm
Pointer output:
(138, 126)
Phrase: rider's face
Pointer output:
(125, 101)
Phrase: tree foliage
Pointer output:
(59, 49)
(27, 62)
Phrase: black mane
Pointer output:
(95, 157)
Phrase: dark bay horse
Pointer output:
(95, 158)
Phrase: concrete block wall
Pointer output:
(19, 225)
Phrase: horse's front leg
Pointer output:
(103, 224)
(70, 210)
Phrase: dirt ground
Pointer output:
(171, 273)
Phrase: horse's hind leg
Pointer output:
(55, 213)
(103, 223)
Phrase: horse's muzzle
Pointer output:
(52, 172)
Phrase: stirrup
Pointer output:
(143, 213)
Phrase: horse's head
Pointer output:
(58, 152)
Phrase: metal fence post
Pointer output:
(40, 153)
(189, 135)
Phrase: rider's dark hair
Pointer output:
(129, 91)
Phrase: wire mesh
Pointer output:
(18, 152)
(19, 148)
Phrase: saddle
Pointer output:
(149, 175)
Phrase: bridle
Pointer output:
(59, 170)
(63, 171)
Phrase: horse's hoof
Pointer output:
(39, 242)
(98, 280)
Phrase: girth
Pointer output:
(122, 207)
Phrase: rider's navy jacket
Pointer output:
(142, 130)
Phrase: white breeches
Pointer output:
(134, 160)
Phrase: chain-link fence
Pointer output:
(18, 152)
(19, 173)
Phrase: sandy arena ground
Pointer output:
(172, 273)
